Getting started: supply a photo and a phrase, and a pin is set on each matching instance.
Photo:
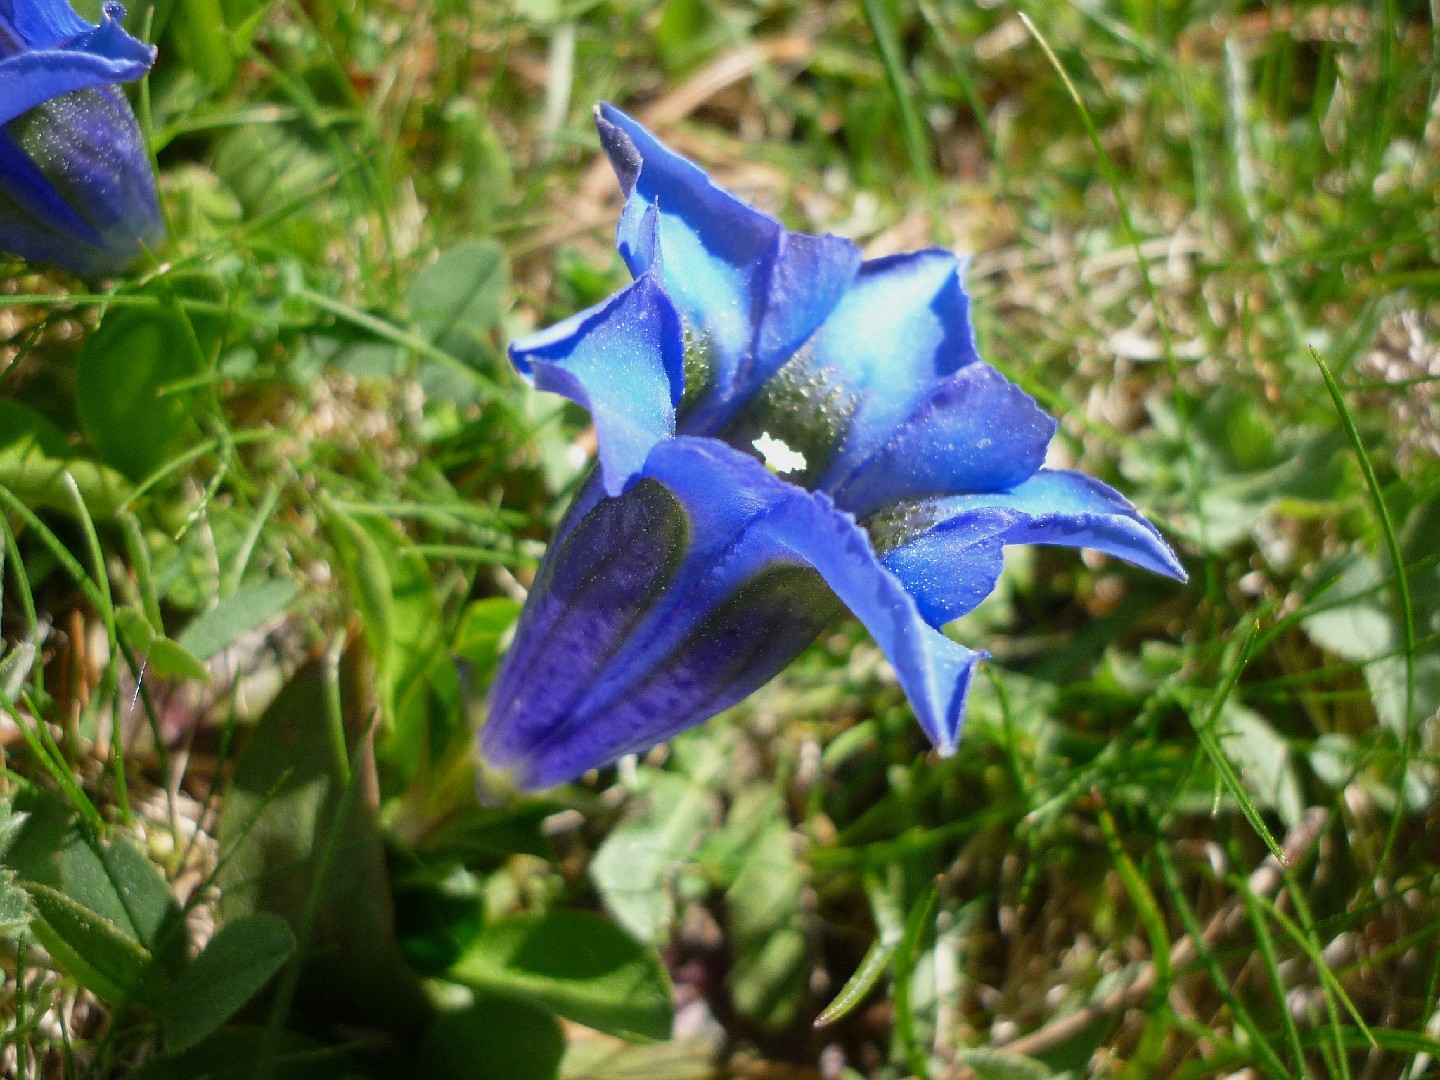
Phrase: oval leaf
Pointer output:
(90, 948)
(122, 388)
(237, 962)
(580, 965)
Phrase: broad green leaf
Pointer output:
(419, 662)
(35, 459)
(213, 35)
(767, 975)
(580, 965)
(171, 660)
(494, 1039)
(677, 1059)
(633, 867)
(437, 913)
(90, 948)
(1263, 760)
(123, 382)
(16, 664)
(487, 835)
(455, 303)
(12, 822)
(234, 1053)
(229, 971)
(395, 592)
(482, 184)
(135, 628)
(461, 293)
(37, 825)
(21, 427)
(271, 165)
(116, 881)
(164, 657)
(1351, 619)
(198, 27)
(1356, 620)
(279, 819)
(250, 607)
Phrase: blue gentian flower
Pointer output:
(76, 189)
(687, 573)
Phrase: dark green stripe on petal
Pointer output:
(594, 586)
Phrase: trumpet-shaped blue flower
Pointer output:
(688, 573)
(76, 188)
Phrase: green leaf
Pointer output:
(165, 658)
(368, 573)
(487, 835)
(269, 165)
(135, 628)
(1263, 759)
(34, 458)
(118, 882)
(437, 913)
(114, 881)
(461, 293)
(580, 965)
(199, 30)
(767, 949)
(494, 1039)
(1351, 619)
(482, 628)
(212, 35)
(395, 592)
(279, 820)
(122, 381)
(252, 606)
(90, 948)
(234, 1053)
(231, 969)
(171, 660)
(874, 964)
(12, 825)
(37, 825)
(455, 303)
(15, 909)
(633, 867)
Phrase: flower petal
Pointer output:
(954, 563)
(76, 188)
(52, 66)
(750, 290)
(623, 360)
(903, 326)
(615, 659)
(42, 23)
(977, 431)
(616, 558)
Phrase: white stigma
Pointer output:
(778, 456)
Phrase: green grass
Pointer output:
(1190, 829)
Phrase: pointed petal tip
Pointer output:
(618, 144)
(1174, 569)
